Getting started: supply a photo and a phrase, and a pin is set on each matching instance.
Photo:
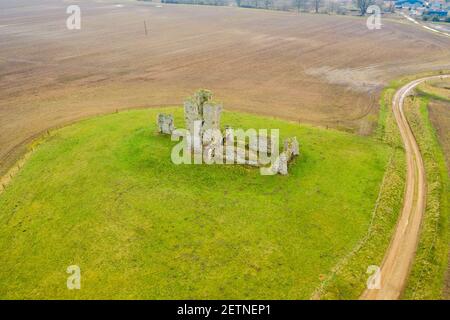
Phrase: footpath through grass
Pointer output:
(427, 276)
(348, 279)
(103, 194)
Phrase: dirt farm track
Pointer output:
(318, 69)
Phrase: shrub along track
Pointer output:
(400, 255)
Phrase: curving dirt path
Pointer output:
(400, 255)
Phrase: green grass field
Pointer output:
(348, 279)
(103, 194)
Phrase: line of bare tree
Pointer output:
(327, 6)
(300, 5)
(316, 6)
(363, 5)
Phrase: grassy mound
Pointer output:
(103, 194)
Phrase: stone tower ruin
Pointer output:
(200, 107)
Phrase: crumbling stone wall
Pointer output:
(290, 150)
(261, 143)
(202, 117)
(281, 164)
(291, 147)
(211, 116)
(165, 123)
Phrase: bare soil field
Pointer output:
(319, 69)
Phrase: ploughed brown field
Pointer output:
(319, 69)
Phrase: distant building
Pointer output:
(436, 13)
(407, 4)
(439, 4)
